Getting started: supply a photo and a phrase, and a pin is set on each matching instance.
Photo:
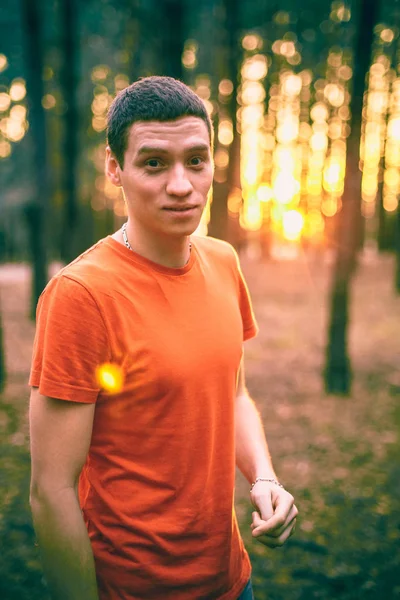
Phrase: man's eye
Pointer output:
(196, 161)
(153, 163)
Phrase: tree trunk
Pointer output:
(69, 92)
(132, 39)
(174, 37)
(219, 217)
(381, 234)
(36, 209)
(338, 368)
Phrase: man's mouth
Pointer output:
(180, 208)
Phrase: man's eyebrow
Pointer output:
(151, 149)
(158, 150)
(198, 148)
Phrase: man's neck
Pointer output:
(174, 254)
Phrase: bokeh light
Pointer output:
(292, 223)
(49, 101)
(293, 124)
(293, 139)
(18, 90)
(189, 56)
(225, 87)
(252, 42)
(3, 62)
(5, 101)
(110, 378)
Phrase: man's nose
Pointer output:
(178, 182)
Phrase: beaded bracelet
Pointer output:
(263, 479)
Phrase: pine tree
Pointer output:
(338, 369)
(37, 207)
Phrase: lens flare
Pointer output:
(110, 378)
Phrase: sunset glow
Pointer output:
(292, 123)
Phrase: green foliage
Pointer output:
(350, 551)
(2, 358)
(20, 571)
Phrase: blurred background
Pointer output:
(305, 102)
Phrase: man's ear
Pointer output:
(113, 170)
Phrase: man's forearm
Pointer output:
(64, 544)
(252, 454)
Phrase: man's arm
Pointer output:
(60, 433)
(275, 515)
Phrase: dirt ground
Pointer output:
(338, 456)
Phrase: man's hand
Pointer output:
(275, 517)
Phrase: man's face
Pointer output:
(166, 176)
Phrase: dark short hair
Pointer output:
(150, 99)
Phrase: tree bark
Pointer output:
(132, 38)
(219, 217)
(36, 209)
(174, 37)
(69, 91)
(338, 368)
(381, 234)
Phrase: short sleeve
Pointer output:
(70, 343)
(250, 327)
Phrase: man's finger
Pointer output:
(266, 509)
(276, 525)
(273, 542)
(281, 514)
(263, 504)
(257, 521)
(276, 532)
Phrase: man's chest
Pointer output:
(165, 331)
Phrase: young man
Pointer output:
(132, 491)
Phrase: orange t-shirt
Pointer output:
(157, 488)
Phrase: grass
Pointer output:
(338, 456)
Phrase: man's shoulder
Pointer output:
(90, 270)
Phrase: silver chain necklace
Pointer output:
(127, 244)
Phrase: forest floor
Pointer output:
(339, 456)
